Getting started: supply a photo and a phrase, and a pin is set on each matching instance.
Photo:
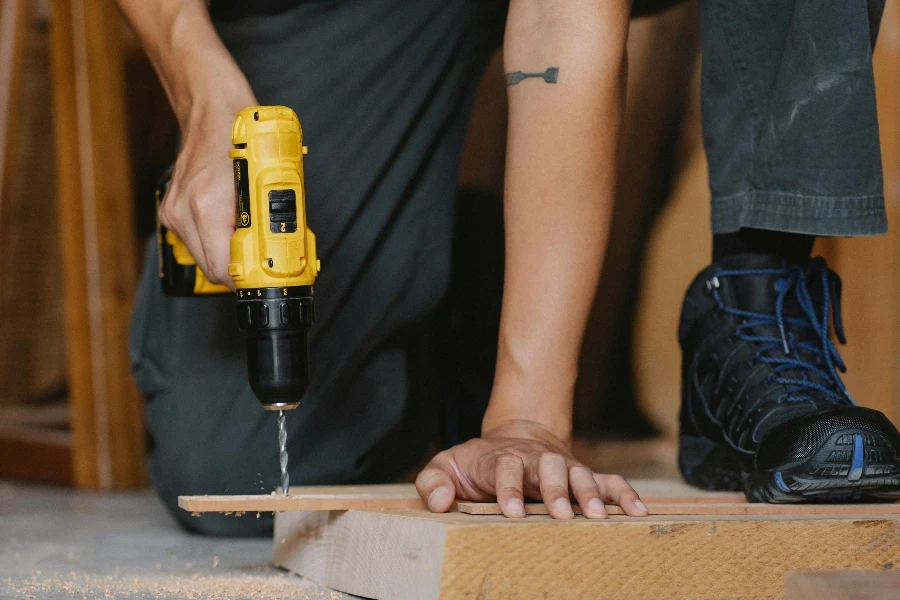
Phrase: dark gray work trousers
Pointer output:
(384, 89)
(789, 122)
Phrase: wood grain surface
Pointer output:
(416, 554)
(335, 497)
(697, 506)
(98, 249)
(662, 497)
(404, 496)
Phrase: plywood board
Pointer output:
(699, 507)
(661, 497)
(404, 496)
(417, 554)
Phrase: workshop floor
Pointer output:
(58, 543)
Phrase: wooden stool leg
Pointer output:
(97, 238)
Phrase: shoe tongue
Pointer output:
(759, 292)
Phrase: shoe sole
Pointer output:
(850, 466)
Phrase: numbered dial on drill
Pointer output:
(282, 211)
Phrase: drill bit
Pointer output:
(282, 450)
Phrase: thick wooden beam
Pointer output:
(40, 455)
(98, 246)
(418, 555)
(406, 554)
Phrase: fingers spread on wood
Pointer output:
(509, 472)
(614, 489)
(586, 492)
(436, 487)
(553, 473)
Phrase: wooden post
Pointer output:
(97, 239)
(12, 24)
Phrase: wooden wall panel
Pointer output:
(661, 52)
(679, 247)
(870, 267)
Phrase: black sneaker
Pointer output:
(763, 406)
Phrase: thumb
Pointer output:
(435, 486)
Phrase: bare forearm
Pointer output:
(193, 64)
(560, 182)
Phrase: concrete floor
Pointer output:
(59, 543)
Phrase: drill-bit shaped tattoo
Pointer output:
(551, 75)
(283, 457)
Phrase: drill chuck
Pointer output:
(277, 323)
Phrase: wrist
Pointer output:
(200, 75)
(524, 429)
(201, 110)
(537, 397)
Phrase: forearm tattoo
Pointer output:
(550, 76)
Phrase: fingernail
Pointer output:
(641, 506)
(516, 507)
(595, 506)
(439, 498)
(562, 506)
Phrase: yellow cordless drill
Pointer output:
(273, 258)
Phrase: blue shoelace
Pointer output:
(805, 366)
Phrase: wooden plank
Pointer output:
(659, 506)
(404, 496)
(843, 585)
(337, 497)
(390, 558)
(417, 554)
(670, 498)
(97, 239)
(29, 454)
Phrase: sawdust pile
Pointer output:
(196, 587)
